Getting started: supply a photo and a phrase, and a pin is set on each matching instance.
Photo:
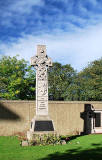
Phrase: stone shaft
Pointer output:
(41, 62)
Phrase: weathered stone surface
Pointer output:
(41, 62)
(24, 143)
(63, 142)
(29, 135)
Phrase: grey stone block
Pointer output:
(24, 143)
(63, 142)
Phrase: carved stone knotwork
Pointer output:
(41, 62)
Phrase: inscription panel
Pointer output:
(43, 126)
(42, 104)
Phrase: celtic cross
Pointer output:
(41, 62)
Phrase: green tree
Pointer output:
(17, 79)
(72, 92)
(87, 84)
(60, 77)
(91, 81)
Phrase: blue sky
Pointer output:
(71, 29)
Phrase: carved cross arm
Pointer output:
(34, 61)
(49, 62)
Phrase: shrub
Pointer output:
(45, 139)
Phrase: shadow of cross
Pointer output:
(7, 114)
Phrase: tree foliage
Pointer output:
(91, 81)
(87, 84)
(17, 79)
(60, 77)
(67, 84)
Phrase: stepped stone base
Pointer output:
(97, 130)
(40, 125)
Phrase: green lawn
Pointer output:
(81, 148)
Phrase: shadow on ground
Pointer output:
(7, 114)
(77, 154)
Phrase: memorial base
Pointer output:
(40, 125)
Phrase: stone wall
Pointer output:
(15, 116)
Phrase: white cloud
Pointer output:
(94, 2)
(17, 11)
(24, 6)
(76, 49)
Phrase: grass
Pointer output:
(81, 148)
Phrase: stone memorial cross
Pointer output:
(41, 62)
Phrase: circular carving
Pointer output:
(42, 51)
